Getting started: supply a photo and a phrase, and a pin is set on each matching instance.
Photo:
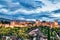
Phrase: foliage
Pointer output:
(22, 32)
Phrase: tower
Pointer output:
(38, 22)
(56, 23)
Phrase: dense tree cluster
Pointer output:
(22, 32)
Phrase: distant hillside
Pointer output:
(4, 19)
(8, 20)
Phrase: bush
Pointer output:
(22, 32)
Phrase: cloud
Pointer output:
(46, 8)
(31, 19)
(31, 9)
(31, 4)
(39, 10)
(1, 6)
(10, 4)
(6, 17)
(46, 19)
(27, 19)
(54, 1)
(57, 15)
(4, 11)
(20, 18)
(56, 11)
(49, 6)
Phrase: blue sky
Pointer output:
(30, 10)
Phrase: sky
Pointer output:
(30, 10)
